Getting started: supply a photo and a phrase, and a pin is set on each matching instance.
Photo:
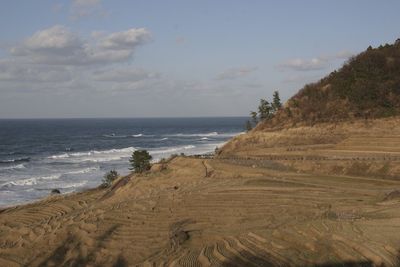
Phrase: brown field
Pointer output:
(327, 195)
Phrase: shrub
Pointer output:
(109, 178)
(140, 161)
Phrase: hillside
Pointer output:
(232, 211)
(367, 86)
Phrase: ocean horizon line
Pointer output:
(101, 118)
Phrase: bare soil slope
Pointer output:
(269, 199)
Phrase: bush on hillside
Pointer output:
(109, 178)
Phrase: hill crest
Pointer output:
(366, 86)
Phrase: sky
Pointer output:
(176, 58)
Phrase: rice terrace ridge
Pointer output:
(251, 145)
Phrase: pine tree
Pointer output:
(264, 109)
(276, 102)
(140, 161)
(253, 115)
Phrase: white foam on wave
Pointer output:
(74, 185)
(62, 156)
(95, 155)
(51, 177)
(168, 150)
(30, 181)
(188, 150)
(83, 171)
(211, 134)
(194, 134)
(13, 167)
(126, 136)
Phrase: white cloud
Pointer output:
(343, 54)
(57, 67)
(299, 64)
(234, 73)
(317, 63)
(123, 75)
(58, 60)
(59, 46)
(126, 39)
(14, 72)
(57, 38)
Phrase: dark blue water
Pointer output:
(73, 154)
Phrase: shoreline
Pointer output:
(73, 155)
(204, 155)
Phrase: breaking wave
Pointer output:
(13, 167)
(95, 155)
(30, 181)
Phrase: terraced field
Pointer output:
(239, 209)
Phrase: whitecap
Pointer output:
(31, 180)
(169, 150)
(62, 156)
(195, 134)
(95, 155)
(82, 171)
(74, 185)
(19, 166)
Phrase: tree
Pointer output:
(276, 102)
(248, 126)
(253, 115)
(140, 161)
(264, 109)
(109, 178)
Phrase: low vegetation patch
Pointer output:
(109, 178)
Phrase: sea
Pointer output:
(38, 155)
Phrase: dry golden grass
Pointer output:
(269, 199)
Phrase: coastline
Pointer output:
(241, 202)
(71, 155)
(206, 155)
